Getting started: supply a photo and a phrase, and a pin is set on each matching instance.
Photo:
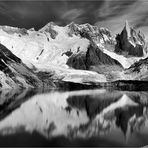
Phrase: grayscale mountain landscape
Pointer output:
(73, 78)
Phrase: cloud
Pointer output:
(114, 8)
(4, 11)
(37, 13)
(141, 14)
(28, 13)
(72, 15)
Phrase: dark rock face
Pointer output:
(93, 57)
(52, 32)
(67, 53)
(7, 55)
(96, 57)
(130, 43)
(78, 61)
(7, 58)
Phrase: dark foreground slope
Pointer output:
(15, 74)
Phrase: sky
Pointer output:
(111, 14)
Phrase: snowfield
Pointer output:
(125, 62)
(38, 47)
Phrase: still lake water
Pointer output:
(96, 117)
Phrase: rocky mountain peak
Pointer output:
(50, 24)
(95, 33)
(49, 28)
(73, 25)
(131, 43)
(73, 28)
(127, 29)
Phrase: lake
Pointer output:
(91, 117)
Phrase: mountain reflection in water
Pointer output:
(74, 118)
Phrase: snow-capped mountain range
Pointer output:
(75, 53)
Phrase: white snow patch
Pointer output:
(35, 49)
(125, 62)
